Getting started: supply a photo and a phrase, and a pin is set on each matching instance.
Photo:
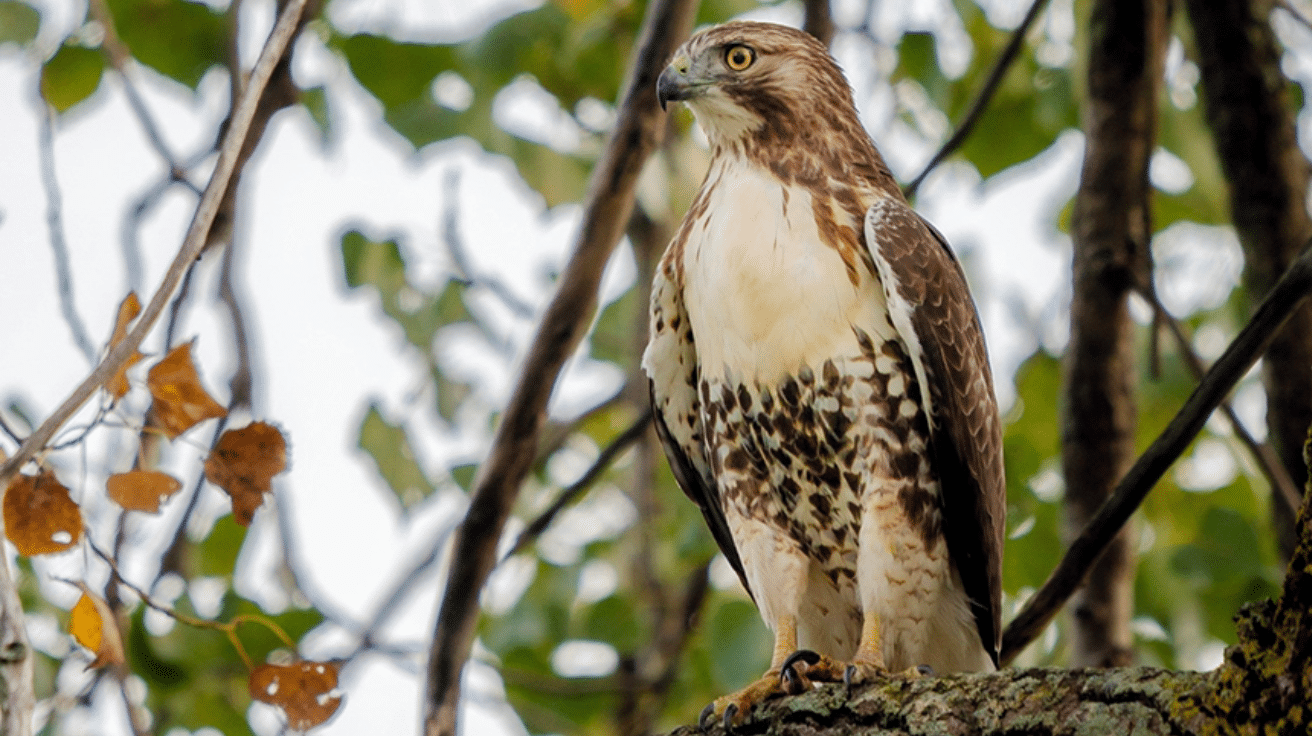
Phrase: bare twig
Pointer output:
(242, 383)
(580, 486)
(1297, 14)
(610, 201)
(981, 102)
(8, 431)
(58, 243)
(118, 56)
(455, 245)
(192, 244)
(1288, 293)
(1263, 455)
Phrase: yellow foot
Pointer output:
(804, 667)
(731, 710)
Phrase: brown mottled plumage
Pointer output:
(820, 379)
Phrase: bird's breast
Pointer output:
(764, 292)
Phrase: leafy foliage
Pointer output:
(632, 549)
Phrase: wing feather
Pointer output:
(931, 308)
(671, 365)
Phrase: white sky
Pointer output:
(321, 353)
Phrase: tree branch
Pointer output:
(58, 243)
(1262, 453)
(580, 486)
(1288, 293)
(192, 244)
(610, 201)
(981, 102)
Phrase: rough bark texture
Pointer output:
(1263, 687)
(17, 698)
(1112, 231)
(637, 133)
(1247, 99)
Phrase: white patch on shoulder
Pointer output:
(899, 309)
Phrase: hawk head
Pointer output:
(775, 95)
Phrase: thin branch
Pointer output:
(981, 102)
(610, 201)
(192, 244)
(58, 243)
(9, 432)
(1288, 293)
(455, 247)
(1297, 14)
(1262, 454)
(580, 486)
(242, 383)
(118, 56)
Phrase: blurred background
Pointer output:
(395, 236)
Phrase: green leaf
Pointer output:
(614, 620)
(393, 71)
(217, 554)
(179, 39)
(19, 23)
(390, 448)
(742, 645)
(72, 75)
(315, 101)
(370, 262)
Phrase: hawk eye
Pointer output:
(739, 57)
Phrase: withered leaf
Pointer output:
(304, 691)
(92, 624)
(142, 490)
(181, 402)
(243, 463)
(117, 386)
(40, 518)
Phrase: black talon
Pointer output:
(729, 713)
(925, 670)
(704, 721)
(801, 655)
(849, 674)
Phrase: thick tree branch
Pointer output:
(818, 20)
(16, 662)
(1249, 111)
(1289, 292)
(610, 201)
(1111, 229)
(192, 244)
(1263, 686)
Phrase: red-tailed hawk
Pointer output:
(820, 379)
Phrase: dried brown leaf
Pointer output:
(304, 691)
(243, 463)
(117, 386)
(181, 402)
(142, 490)
(40, 518)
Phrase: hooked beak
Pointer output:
(673, 84)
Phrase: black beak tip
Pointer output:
(669, 87)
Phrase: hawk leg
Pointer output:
(732, 709)
(804, 667)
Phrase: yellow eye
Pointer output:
(739, 57)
